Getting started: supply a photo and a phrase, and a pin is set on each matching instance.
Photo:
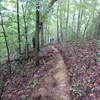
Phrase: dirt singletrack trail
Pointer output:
(55, 83)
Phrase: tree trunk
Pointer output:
(37, 34)
(26, 37)
(67, 14)
(18, 27)
(73, 27)
(57, 25)
(42, 34)
(78, 24)
(99, 31)
(7, 47)
(80, 15)
(86, 26)
(73, 22)
(48, 34)
(61, 31)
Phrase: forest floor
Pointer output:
(68, 71)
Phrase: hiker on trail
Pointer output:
(52, 40)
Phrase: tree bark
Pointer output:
(26, 36)
(42, 34)
(80, 14)
(6, 42)
(99, 31)
(86, 26)
(78, 24)
(67, 14)
(37, 34)
(48, 34)
(61, 31)
(58, 25)
(18, 27)
(73, 22)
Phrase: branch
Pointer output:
(50, 5)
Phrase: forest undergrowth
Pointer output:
(82, 64)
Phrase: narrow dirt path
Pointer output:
(61, 78)
(55, 84)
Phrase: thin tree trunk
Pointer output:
(99, 31)
(86, 28)
(78, 24)
(73, 22)
(48, 34)
(80, 15)
(18, 27)
(37, 34)
(26, 36)
(42, 34)
(7, 47)
(67, 14)
(61, 31)
(58, 25)
(73, 27)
